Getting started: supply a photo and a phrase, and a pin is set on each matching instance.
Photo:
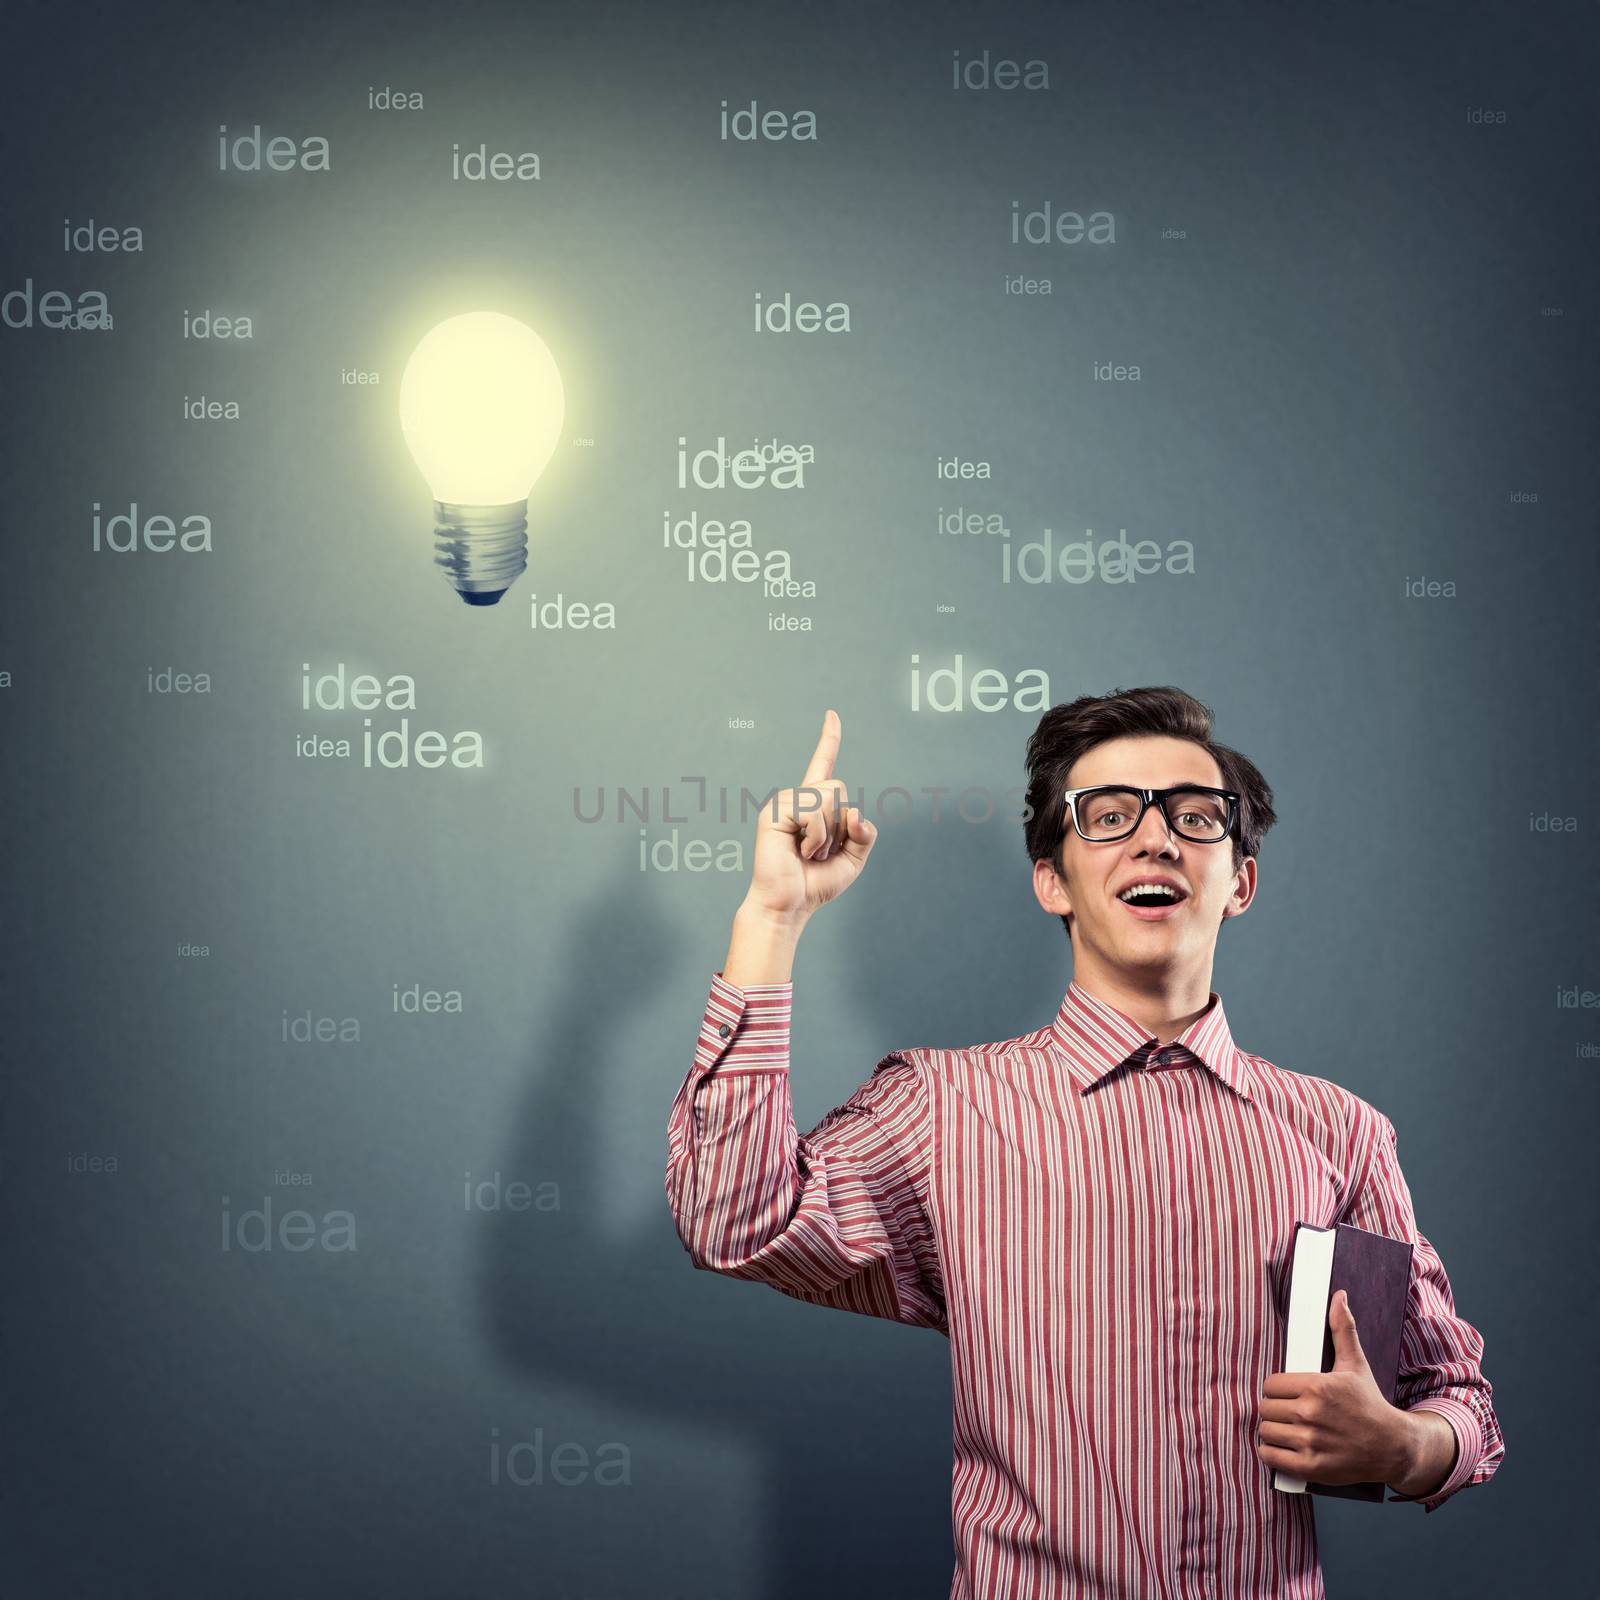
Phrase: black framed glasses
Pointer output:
(1109, 812)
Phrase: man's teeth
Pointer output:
(1149, 888)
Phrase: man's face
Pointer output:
(1094, 874)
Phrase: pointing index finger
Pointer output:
(821, 763)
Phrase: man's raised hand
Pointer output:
(810, 845)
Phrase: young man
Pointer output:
(1097, 1213)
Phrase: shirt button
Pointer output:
(724, 1029)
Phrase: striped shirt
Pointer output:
(1101, 1227)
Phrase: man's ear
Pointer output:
(1050, 888)
(1244, 889)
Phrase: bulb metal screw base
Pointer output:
(482, 549)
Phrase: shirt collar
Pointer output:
(1096, 1039)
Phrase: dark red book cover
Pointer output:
(1375, 1271)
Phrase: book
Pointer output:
(1375, 1272)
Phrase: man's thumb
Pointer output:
(1347, 1351)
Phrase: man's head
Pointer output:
(1156, 738)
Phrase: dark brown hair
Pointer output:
(1066, 732)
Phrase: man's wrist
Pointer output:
(761, 948)
(753, 913)
(1424, 1454)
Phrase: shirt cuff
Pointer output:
(745, 1028)
(1469, 1447)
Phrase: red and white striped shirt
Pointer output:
(1101, 1227)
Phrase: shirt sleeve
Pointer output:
(839, 1216)
(1440, 1352)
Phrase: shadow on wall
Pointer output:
(853, 1439)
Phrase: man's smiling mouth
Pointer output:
(1152, 900)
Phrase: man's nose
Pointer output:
(1154, 835)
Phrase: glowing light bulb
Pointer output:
(481, 406)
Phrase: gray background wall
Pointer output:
(1374, 342)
